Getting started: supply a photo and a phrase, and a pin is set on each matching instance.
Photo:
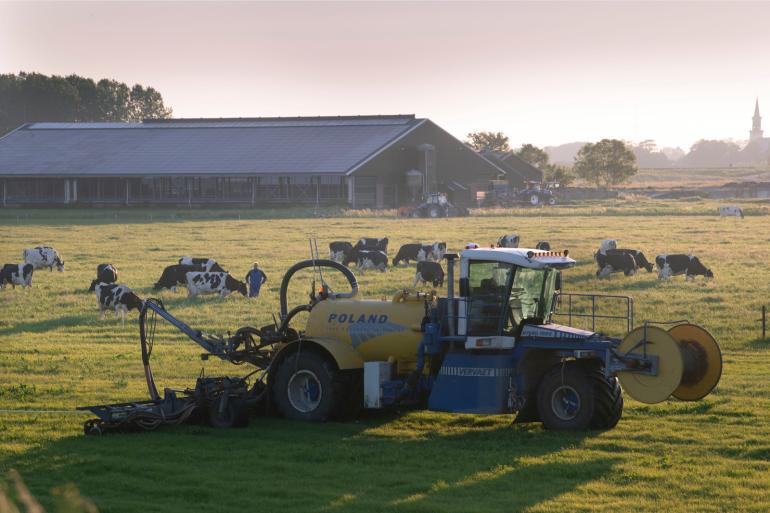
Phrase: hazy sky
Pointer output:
(545, 73)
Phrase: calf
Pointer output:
(44, 256)
(674, 265)
(429, 272)
(16, 274)
(212, 283)
(208, 264)
(105, 273)
(543, 245)
(615, 262)
(508, 241)
(638, 256)
(338, 250)
(372, 244)
(420, 252)
(119, 297)
(371, 259)
(175, 275)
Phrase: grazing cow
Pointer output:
(420, 252)
(730, 211)
(212, 283)
(372, 244)
(208, 264)
(16, 274)
(119, 297)
(44, 256)
(371, 259)
(429, 272)
(615, 262)
(674, 265)
(639, 258)
(508, 241)
(543, 245)
(105, 273)
(175, 275)
(338, 250)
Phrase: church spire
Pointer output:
(756, 124)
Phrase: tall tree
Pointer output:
(30, 97)
(493, 141)
(533, 155)
(538, 157)
(606, 163)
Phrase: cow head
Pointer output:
(59, 264)
(235, 285)
(708, 273)
(132, 301)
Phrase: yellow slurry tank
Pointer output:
(378, 329)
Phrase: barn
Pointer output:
(360, 161)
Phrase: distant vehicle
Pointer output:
(536, 193)
(435, 205)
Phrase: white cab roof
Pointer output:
(519, 256)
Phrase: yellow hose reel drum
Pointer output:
(689, 363)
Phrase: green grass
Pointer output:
(55, 353)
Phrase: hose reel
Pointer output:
(689, 363)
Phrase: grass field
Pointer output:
(55, 353)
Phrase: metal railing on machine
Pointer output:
(577, 306)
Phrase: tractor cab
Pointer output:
(504, 289)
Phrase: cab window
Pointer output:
(488, 284)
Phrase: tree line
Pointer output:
(606, 163)
(34, 97)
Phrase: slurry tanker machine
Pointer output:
(490, 349)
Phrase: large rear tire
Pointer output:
(608, 401)
(565, 398)
(435, 212)
(534, 200)
(306, 387)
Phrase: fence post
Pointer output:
(764, 322)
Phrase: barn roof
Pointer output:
(231, 146)
(513, 165)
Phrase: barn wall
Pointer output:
(452, 161)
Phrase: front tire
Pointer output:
(565, 398)
(304, 387)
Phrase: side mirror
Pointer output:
(558, 281)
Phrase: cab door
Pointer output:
(485, 294)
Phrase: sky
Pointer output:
(544, 73)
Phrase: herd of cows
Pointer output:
(206, 276)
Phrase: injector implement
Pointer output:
(492, 348)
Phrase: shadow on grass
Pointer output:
(382, 463)
(49, 324)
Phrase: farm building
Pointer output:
(362, 161)
(517, 171)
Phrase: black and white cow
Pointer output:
(674, 265)
(508, 241)
(338, 250)
(639, 258)
(372, 244)
(213, 283)
(105, 273)
(371, 259)
(543, 245)
(44, 256)
(175, 275)
(420, 252)
(208, 264)
(614, 263)
(429, 272)
(16, 274)
(119, 297)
